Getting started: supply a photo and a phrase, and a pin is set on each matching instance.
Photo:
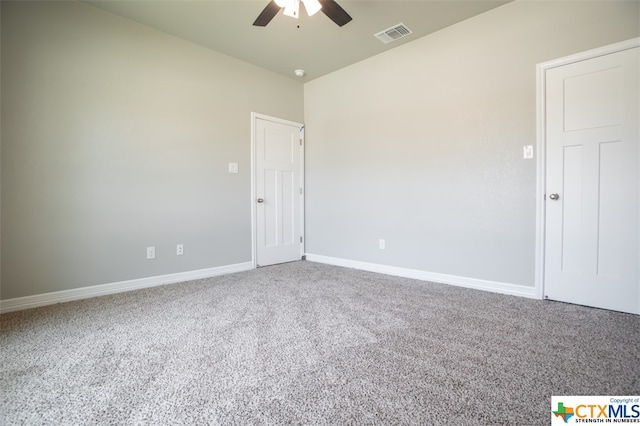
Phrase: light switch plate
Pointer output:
(233, 167)
(527, 152)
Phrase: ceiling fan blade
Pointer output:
(267, 14)
(336, 13)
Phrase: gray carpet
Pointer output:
(306, 343)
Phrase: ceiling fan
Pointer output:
(292, 8)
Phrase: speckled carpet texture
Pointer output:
(307, 343)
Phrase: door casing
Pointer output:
(254, 231)
(541, 153)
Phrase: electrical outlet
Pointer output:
(381, 244)
(151, 252)
(233, 167)
(179, 250)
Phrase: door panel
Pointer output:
(592, 239)
(288, 190)
(593, 100)
(270, 208)
(278, 164)
(572, 237)
(610, 201)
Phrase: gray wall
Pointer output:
(116, 137)
(422, 145)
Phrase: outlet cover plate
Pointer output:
(527, 152)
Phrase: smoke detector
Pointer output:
(299, 73)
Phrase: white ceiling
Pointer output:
(314, 44)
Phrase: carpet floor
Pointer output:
(307, 343)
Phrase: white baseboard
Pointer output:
(28, 302)
(478, 284)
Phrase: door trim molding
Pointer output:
(258, 116)
(541, 141)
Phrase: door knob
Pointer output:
(260, 200)
(554, 196)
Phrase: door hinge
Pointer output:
(300, 142)
(300, 191)
(300, 238)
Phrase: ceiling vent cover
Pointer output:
(394, 33)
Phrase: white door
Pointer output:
(278, 190)
(592, 238)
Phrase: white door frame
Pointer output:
(541, 189)
(254, 235)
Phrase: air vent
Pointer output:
(394, 33)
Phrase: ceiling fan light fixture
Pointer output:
(292, 8)
(312, 6)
